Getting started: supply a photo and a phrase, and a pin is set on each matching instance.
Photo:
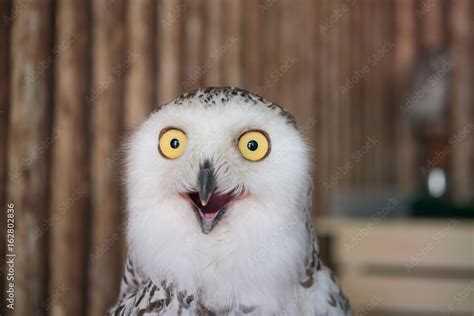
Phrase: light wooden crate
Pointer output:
(404, 267)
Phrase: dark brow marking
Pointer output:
(213, 95)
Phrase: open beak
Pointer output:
(208, 205)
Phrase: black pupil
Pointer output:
(174, 143)
(252, 145)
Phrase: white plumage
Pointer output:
(258, 257)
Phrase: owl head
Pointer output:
(213, 169)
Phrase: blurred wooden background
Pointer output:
(77, 75)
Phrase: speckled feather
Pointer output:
(214, 95)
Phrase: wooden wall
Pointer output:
(77, 75)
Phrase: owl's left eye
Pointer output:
(254, 145)
(172, 143)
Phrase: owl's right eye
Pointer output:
(172, 143)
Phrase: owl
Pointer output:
(219, 198)
(428, 91)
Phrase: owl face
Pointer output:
(208, 158)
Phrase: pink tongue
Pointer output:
(209, 215)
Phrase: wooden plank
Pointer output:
(69, 203)
(344, 101)
(432, 27)
(404, 54)
(109, 67)
(430, 271)
(169, 50)
(411, 295)
(251, 44)
(422, 243)
(355, 92)
(334, 158)
(213, 42)
(377, 46)
(286, 78)
(324, 132)
(366, 163)
(390, 105)
(305, 68)
(368, 80)
(5, 7)
(193, 71)
(358, 84)
(270, 50)
(472, 94)
(29, 141)
(380, 52)
(140, 86)
(232, 69)
(462, 127)
(318, 189)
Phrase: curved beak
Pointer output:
(206, 182)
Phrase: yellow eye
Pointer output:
(254, 145)
(172, 143)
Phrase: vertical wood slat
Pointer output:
(4, 111)
(366, 98)
(355, 92)
(344, 100)
(316, 70)
(270, 49)
(326, 133)
(371, 90)
(461, 100)
(251, 40)
(331, 75)
(286, 80)
(388, 102)
(232, 12)
(324, 139)
(28, 149)
(305, 70)
(472, 95)
(389, 109)
(108, 71)
(348, 41)
(333, 97)
(367, 81)
(359, 85)
(213, 41)
(69, 207)
(169, 51)
(193, 46)
(140, 81)
(377, 62)
(404, 54)
(433, 30)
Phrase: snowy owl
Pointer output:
(219, 197)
